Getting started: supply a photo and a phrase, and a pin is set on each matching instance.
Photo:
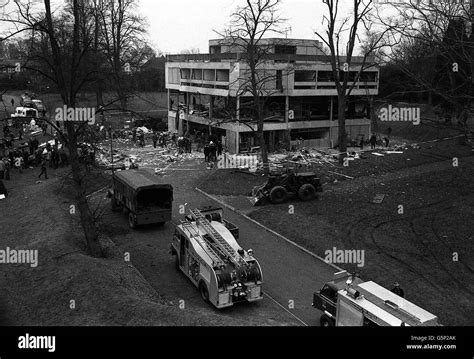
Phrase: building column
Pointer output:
(237, 108)
(187, 113)
(330, 122)
(211, 110)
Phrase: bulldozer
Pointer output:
(280, 187)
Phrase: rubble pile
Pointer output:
(128, 155)
(307, 157)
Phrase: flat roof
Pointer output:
(141, 178)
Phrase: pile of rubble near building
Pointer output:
(126, 155)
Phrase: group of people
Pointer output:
(212, 151)
(373, 140)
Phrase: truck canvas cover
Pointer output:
(139, 179)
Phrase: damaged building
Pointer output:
(205, 94)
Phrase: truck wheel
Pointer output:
(204, 292)
(307, 192)
(115, 206)
(325, 321)
(132, 221)
(278, 195)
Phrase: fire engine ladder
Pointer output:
(216, 258)
(221, 242)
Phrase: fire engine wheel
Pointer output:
(325, 321)
(307, 192)
(132, 220)
(278, 195)
(204, 292)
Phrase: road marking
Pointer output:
(286, 310)
(267, 229)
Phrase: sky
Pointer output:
(177, 25)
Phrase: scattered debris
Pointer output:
(340, 174)
(378, 199)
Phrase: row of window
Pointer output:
(328, 76)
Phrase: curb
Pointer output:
(267, 229)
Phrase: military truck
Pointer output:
(143, 196)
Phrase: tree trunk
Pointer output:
(342, 137)
(87, 219)
(263, 149)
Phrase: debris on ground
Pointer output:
(378, 199)
(126, 154)
(340, 174)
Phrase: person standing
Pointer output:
(2, 169)
(7, 169)
(397, 290)
(49, 155)
(43, 169)
(206, 153)
(373, 141)
(154, 139)
(212, 151)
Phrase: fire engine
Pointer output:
(208, 254)
(349, 301)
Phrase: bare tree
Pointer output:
(121, 37)
(191, 51)
(342, 60)
(60, 52)
(249, 24)
(444, 29)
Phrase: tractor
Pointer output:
(280, 187)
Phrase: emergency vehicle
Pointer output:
(349, 301)
(208, 254)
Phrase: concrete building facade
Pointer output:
(206, 92)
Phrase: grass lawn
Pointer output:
(417, 248)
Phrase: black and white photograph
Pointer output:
(280, 166)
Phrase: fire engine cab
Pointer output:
(349, 301)
(208, 254)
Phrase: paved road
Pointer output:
(290, 274)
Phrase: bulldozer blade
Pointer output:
(259, 200)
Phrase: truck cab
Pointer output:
(326, 298)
